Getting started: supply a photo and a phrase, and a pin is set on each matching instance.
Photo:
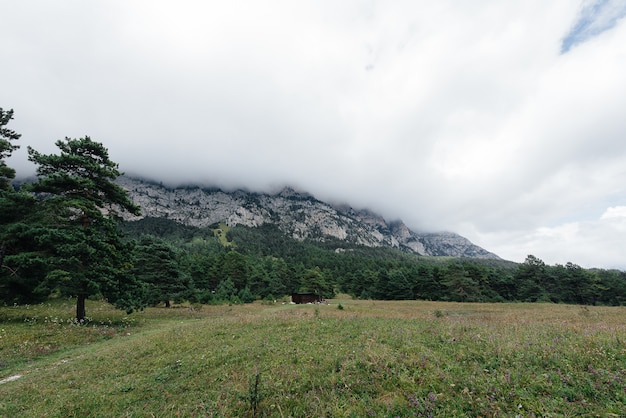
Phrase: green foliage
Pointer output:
(530, 277)
(266, 261)
(82, 175)
(537, 282)
(246, 296)
(168, 230)
(314, 281)
(254, 395)
(81, 236)
(156, 265)
(22, 265)
(226, 290)
(6, 148)
(461, 287)
(394, 284)
(235, 268)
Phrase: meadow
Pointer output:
(350, 358)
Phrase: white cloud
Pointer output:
(449, 115)
(617, 213)
(592, 243)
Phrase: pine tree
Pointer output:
(21, 267)
(6, 175)
(156, 264)
(82, 203)
(6, 148)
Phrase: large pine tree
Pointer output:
(82, 203)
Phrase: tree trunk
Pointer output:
(80, 308)
(167, 303)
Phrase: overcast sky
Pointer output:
(503, 121)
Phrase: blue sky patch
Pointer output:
(595, 17)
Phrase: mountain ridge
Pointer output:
(296, 213)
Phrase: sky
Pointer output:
(501, 121)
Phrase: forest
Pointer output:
(62, 235)
(223, 263)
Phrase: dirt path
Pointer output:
(10, 378)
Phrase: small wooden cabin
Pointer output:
(300, 298)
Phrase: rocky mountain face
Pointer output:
(298, 214)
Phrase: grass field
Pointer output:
(346, 359)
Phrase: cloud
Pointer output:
(449, 115)
(614, 213)
(592, 243)
(595, 17)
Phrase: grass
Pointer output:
(371, 358)
(220, 232)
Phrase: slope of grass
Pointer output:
(220, 232)
(370, 358)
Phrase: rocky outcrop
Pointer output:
(298, 214)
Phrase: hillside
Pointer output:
(297, 214)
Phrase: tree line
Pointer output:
(63, 235)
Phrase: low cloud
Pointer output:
(591, 243)
(448, 115)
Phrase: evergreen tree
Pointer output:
(245, 295)
(281, 278)
(24, 261)
(6, 148)
(199, 268)
(259, 276)
(364, 284)
(156, 264)
(314, 281)
(530, 279)
(393, 284)
(579, 285)
(235, 267)
(611, 287)
(226, 291)
(425, 284)
(461, 287)
(6, 175)
(21, 265)
(82, 201)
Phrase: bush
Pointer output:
(246, 296)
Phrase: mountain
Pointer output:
(297, 214)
